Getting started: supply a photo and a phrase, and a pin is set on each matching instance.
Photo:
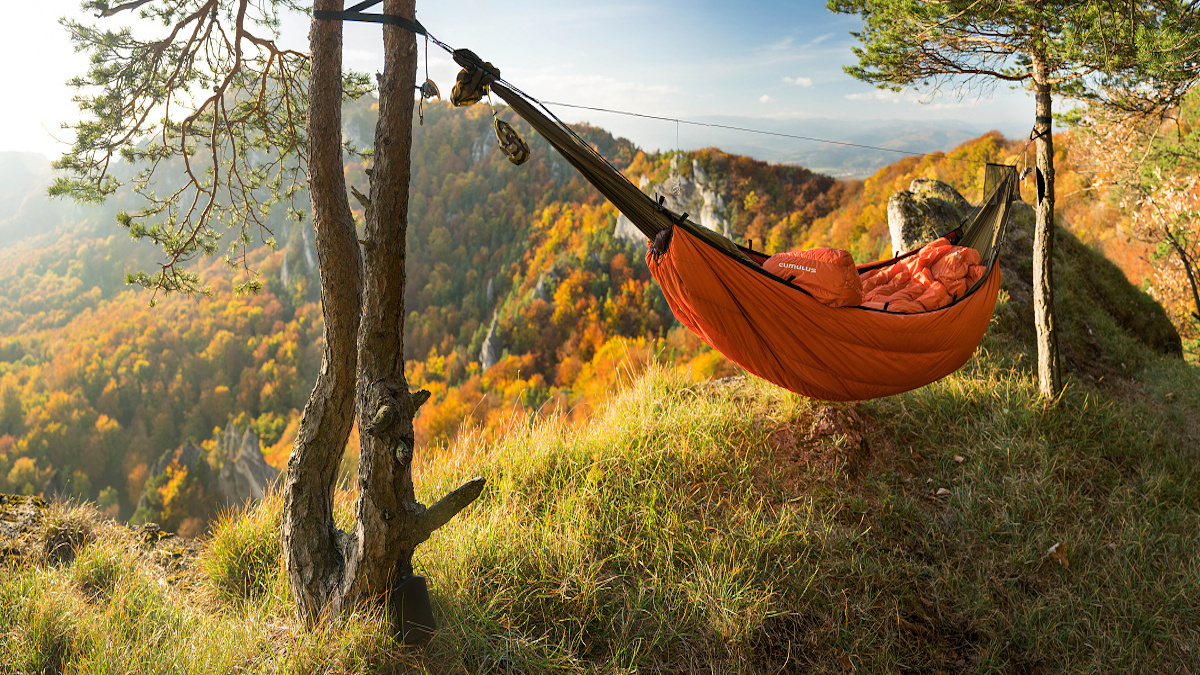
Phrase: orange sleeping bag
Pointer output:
(786, 336)
(934, 278)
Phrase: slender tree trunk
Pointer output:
(391, 522)
(1187, 269)
(388, 513)
(312, 545)
(362, 367)
(1049, 376)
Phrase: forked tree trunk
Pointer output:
(362, 368)
(1049, 376)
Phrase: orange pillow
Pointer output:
(828, 274)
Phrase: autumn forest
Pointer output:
(523, 299)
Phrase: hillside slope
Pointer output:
(524, 297)
(684, 526)
(95, 387)
(723, 527)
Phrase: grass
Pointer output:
(728, 527)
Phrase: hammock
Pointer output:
(773, 329)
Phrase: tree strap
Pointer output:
(356, 13)
(1034, 134)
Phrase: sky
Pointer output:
(771, 61)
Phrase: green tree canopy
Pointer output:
(1112, 50)
(198, 112)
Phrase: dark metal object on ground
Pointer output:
(411, 611)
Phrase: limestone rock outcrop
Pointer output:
(491, 351)
(245, 475)
(925, 211)
(695, 194)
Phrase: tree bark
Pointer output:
(1049, 375)
(388, 513)
(362, 367)
(312, 545)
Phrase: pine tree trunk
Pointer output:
(388, 514)
(362, 368)
(312, 545)
(1049, 377)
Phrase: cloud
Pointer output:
(570, 84)
(798, 81)
(926, 100)
(782, 45)
(765, 98)
(878, 95)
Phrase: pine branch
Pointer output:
(106, 11)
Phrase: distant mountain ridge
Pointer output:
(834, 146)
(840, 152)
(24, 207)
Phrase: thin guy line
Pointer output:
(678, 121)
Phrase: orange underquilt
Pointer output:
(934, 278)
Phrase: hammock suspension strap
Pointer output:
(356, 13)
(472, 82)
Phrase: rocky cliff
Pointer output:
(244, 475)
(696, 195)
(233, 473)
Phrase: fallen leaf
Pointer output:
(941, 492)
(1058, 555)
(960, 459)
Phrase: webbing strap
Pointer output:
(1034, 134)
(356, 13)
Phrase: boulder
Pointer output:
(925, 211)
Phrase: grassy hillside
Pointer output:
(95, 387)
(729, 526)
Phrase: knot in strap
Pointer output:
(473, 80)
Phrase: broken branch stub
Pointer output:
(449, 506)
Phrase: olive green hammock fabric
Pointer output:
(774, 329)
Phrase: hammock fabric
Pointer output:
(776, 330)
(788, 337)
